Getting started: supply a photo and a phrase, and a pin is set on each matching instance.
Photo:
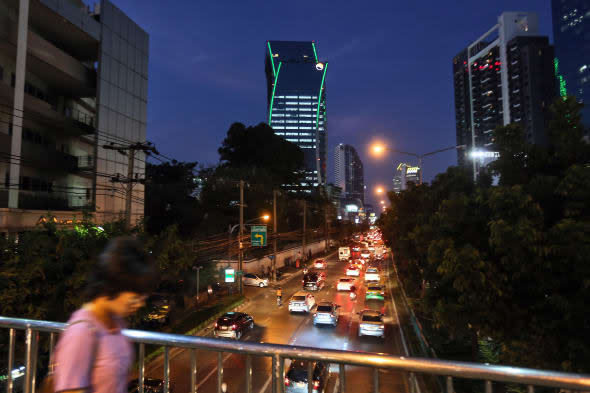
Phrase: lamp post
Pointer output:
(378, 149)
(198, 269)
(264, 218)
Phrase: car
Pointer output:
(150, 385)
(296, 378)
(375, 292)
(255, 280)
(371, 323)
(233, 325)
(372, 274)
(326, 313)
(320, 264)
(344, 284)
(365, 253)
(352, 270)
(302, 302)
(314, 281)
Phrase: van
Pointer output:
(344, 253)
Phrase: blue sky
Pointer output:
(390, 75)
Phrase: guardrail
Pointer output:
(279, 353)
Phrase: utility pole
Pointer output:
(240, 261)
(146, 147)
(304, 230)
(326, 226)
(198, 269)
(276, 234)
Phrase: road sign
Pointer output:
(258, 235)
(230, 275)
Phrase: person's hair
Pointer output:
(123, 266)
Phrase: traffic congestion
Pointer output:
(324, 307)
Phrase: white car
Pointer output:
(257, 281)
(326, 313)
(344, 284)
(353, 271)
(320, 264)
(371, 324)
(365, 253)
(372, 274)
(301, 302)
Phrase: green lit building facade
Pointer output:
(296, 102)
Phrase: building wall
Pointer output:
(571, 32)
(85, 86)
(122, 108)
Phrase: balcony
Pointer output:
(41, 157)
(339, 360)
(70, 122)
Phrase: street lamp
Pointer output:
(382, 202)
(379, 190)
(198, 269)
(378, 149)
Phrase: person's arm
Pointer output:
(75, 359)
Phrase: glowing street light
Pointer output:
(378, 149)
(379, 190)
(266, 217)
(382, 202)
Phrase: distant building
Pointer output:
(334, 194)
(505, 76)
(83, 86)
(404, 174)
(571, 32)
(296, 93)
(348, 172)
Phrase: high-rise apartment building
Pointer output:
(296, 105)
(571, 32)
(348, 172)
(72, 79)
(505, 76)
(404, 174)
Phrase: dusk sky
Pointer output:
(389, 78)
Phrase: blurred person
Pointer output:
(92, 355)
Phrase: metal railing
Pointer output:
(279, 353)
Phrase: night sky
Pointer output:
(389, 78)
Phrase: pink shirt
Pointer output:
(75, 367)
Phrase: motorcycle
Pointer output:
(279, 301)
(352, 293)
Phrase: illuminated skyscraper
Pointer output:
(296, 105)
(348, 172)
(571, 31)
(405, 173)
(505, 76)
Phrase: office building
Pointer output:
(404, 174)
(571, 32)
(505, 76)
(296, 92)
(72, 79)
(348, 172)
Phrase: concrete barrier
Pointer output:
(284, 257)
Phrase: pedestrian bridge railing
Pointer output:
(530, 379)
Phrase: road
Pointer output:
(277, 325)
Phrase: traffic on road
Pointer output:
(325, 308)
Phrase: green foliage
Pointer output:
(508, 263)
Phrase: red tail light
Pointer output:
(233, 327)
(316, 384)
(287, 382)
(216, 326)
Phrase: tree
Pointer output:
(170, 197)
(267, 157)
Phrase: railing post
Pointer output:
(166, 369)
(412, 380)
(277, 383)
(248, 373)
(34, 360)
(9, 382)
(376, 380)
(28, 359)
(309, 376)
(51, 349)
(450, 384)
(488, 386)
(342, 377)
(141, 367)
(219, 371)
(530, 389)
(193, 371)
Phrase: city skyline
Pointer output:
(375, 93)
